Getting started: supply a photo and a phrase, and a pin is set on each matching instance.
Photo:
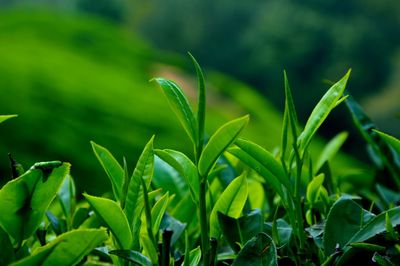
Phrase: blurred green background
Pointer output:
(79, 70)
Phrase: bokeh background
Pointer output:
(79, 70)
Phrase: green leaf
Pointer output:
(392, 141)
(7, 250)
(284, 234)
(6, 117)
(144, 170)
(264, 163)
(344, 220)
(201, 105)
(177, 227)
(260, 250)
(242, 229)
(313, 188)
(321, 111)
(382, 260)
(66, 196)
(230, 203)
(380, 150)
(25, 199)
(112, 215)
(185, 167)
(330, 150)
(114, 170)
(180, 105)
(158, 211)
(132, 256)
(195, 256)
(67, 249)
(220, 141)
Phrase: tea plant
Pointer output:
(230, 202)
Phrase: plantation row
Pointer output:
(231, 202)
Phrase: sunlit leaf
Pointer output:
(313, 188)
(112, 215)
(6, 117)
(392, 141)
(158, 211)
(25, 199)
(114, 170)
(67, 249)
(219, 142)
(321, 111)
(330, 150)
(180, 105)
(230, 203)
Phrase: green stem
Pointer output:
(147, 212)
(205, 240)
(297, 199)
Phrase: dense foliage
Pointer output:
(253, 206)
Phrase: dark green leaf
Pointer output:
(382, 260)
(344, 220)
(112, 215)
(66, 196)
(260, 250)
(284, 231)
(80, 215)
(240, 230)
(392, 141)
(169, 222)
(219, 142)
(132, 256)
(114, 170)
(7, 250)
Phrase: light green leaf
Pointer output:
(260, 250)
(6, 117)
(313, 188)
(144, 170)
(230, 203)
(180, 105)
(201, 105)
(158, 211)
(331, 149)
(264, 163)
(195, 256)
(67, 249)
(114, 170)
(219, 142)
(185, 167)
(112, 215)
(25, 199)
(321, 111)
(392, 141)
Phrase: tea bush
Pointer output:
(229, 202)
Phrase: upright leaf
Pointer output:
(313, 188)
(67, 249)
(112, 215)
(230, 203)
(66, 196)
(321, 111)
(260, 250)
(144, 170)
(114, 170)
(219, 142)
(201, 105)
(180, 105)
(331, 149)
(158, 211)
(25, 199)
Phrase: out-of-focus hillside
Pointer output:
(72, 79)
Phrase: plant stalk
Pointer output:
(204, 226)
